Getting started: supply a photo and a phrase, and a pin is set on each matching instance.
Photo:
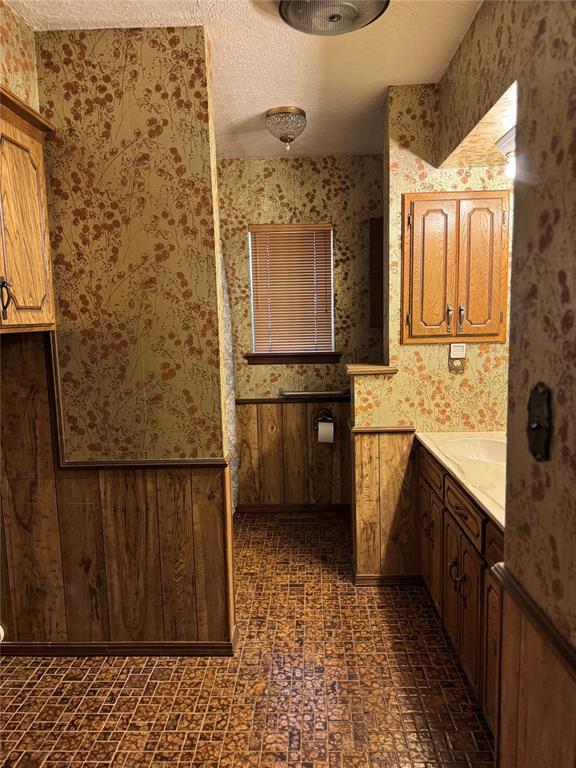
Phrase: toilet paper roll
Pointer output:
(325, 432)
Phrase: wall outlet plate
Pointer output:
(457, 351)
(456, 366)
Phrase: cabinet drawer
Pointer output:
(494, 551)
(432, 472)
(464, 512)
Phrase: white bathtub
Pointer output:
(478, 461)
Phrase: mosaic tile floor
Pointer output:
(326, 676)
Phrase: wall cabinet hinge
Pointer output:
(505, 217)
(409, 220)
(408, 319)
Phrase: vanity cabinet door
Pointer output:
(470, 588)
(491, 645)
(435, 545)
(451, 571)
(423, 522)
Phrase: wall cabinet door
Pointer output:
(482, 268)
(454, 267)
(25, 252)
(491, 644)
(451, 571)
(470, 587)
(432, 265)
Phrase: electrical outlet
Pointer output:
(456, 365)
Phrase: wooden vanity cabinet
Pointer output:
(462, 596)
(457, 575)
(455, 267)
(26, 289)
(430, 544)
(491, 649)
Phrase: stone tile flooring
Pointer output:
(326, 676)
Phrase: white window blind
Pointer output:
(292, 288)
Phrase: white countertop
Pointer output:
(485, 481)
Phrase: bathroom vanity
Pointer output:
(460, 508)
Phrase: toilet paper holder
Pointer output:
(324, 415)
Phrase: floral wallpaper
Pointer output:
(17, 56)
(346, 191)
(424, 392)
(132, 230)
(534, 44)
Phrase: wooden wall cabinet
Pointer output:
(454, 267)
(25, 266)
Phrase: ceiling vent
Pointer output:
(331, 17)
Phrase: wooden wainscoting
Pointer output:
(538, 685)
(281, 460)
(114, 559)
(384, 530)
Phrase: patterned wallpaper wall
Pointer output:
(132, 230)
(534, 43)
(346, 191)
(423, 392)
(17, 56)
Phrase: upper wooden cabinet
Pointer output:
(454, 267)
(26, 290)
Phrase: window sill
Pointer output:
(291, 358)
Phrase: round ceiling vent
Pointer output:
(331, 17)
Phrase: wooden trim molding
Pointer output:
(20, 108)
(304, 508)
(536, 615)
(291, 358)
(307, 399)
(107, 648)
(379, 430)
(148, 463)
(362, 369)
(377, 580)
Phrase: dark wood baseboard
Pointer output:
(536, 616)
(377, 580)
(106, 648)
(293, 508)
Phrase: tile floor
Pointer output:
(326, 676)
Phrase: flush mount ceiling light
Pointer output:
(331, 17)
(286, 123)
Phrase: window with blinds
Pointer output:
(292, 288)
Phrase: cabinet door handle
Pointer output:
(461, 512)
(453, 564)
(461, 309)
(458, 587)
(448, 317)
(430, 531)
(5, 296)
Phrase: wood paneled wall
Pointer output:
(384, 530)
(103, 558)
(281, 460)
(538, 686)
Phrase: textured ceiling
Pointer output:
(259, 62)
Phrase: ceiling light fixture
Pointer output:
(286, 123)
(331, 17)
